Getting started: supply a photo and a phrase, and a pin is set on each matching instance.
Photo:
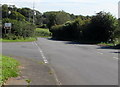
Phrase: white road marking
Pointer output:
(100, 53)
(77, 45)
(116, 58)
(41, 52)
(45, 60)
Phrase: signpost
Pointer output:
(7, 26)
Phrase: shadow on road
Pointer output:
(109, 47)
(53, 39)
(70, 42)
(115, 52)
(117, 47)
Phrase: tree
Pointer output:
(56, 18)
(20, 29)
(28, 13)
(117, 32)
(17, 16)
(102, 27)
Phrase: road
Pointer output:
(73, 64)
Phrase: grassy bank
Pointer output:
(9, 68)
(106, 44)
(19, 40)
(42, 32)
(116, 42)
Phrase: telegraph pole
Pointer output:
(33, 13)
(119, 9)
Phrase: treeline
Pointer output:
(24, 20)
(102, 27)
(22, 28)
(47, 19)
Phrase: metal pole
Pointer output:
(119, 9)
(29, 16)
(33, 12)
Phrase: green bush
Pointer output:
(19, 29)
(102, 28)
(10, 36)
(99, 28)
(42, 26)
(71, 30)
(16, 16)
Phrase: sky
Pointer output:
(77, 7)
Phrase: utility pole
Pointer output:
(29, 16)
(33, 13)
(119, 9)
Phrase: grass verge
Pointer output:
(42, 32)
(8, 68)
(106, 44)
(110, 44)
(19, 40)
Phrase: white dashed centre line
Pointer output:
(41, 52)
(116, 58)
(100, 53)
(45, 61)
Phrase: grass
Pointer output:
(116, 42)
(106, 44)
(8, 68)
(42, 32)
(19, 40)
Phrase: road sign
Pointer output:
(7, 25)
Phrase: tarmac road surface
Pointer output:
(73, 64)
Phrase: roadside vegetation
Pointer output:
(30, 39)
(42, 32)
(9, 68)
(20, 30)
(97, 29)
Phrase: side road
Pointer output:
(32, 66)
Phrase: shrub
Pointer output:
(19, 29)
(102, 28)
(71, 30)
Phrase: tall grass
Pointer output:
(8, 68)
(30, 39)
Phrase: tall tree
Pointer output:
(102, 27)
(56, 18)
